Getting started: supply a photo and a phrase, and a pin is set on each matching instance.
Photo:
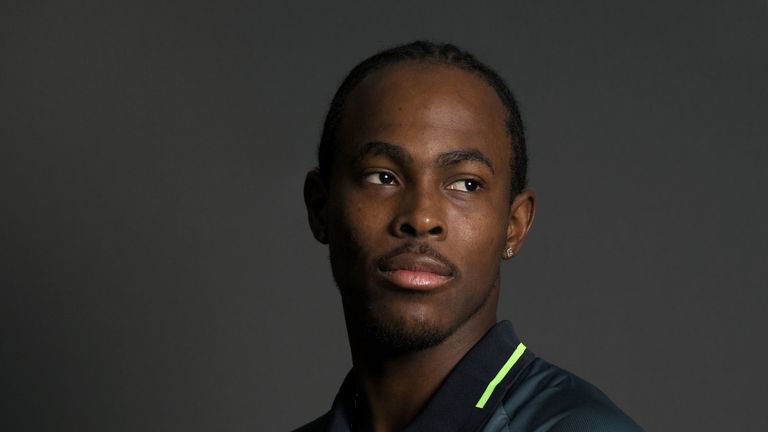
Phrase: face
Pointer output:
(417, 213)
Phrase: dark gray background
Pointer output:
(157, 272)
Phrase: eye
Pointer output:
(465, 185)
(381, 177)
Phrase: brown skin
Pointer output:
(380, 200)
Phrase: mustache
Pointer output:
(418, 248)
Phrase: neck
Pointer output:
(393, 388)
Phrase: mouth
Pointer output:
(416, 272)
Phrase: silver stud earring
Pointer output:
(509, 253)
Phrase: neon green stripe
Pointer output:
(500, 376)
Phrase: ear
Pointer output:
(316, 198)
(521, 214)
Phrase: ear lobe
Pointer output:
(522, 212)
(315, 199)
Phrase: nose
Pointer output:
(420, 215)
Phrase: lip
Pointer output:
(416, 272)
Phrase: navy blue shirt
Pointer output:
(499, 385)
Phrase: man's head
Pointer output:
(427, 52)
(418, 162)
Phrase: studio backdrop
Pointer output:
(157, 272)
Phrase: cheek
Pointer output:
(357, 228)
(481, 238)
(359, 223)
(483, 234)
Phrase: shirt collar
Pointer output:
(469, 395)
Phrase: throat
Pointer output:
(392, 390)
(390, 398)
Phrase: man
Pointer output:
(419, 195)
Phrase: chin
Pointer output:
(398, 336)
(400, 322)
(399, 331)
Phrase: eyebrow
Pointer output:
(466, 155)
(401, 156)
(379, 148)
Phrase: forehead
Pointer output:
(415, 99)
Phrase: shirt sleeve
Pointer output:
(590, 419)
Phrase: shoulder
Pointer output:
(550, 399)
(317, 425)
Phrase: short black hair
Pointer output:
(425, 51)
